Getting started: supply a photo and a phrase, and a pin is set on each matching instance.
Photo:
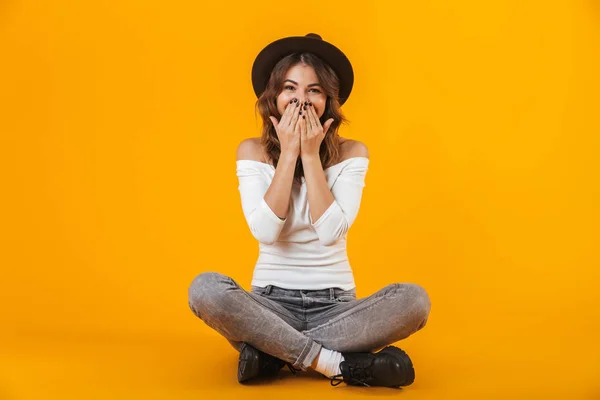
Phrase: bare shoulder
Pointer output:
(353, 148)
(250, 149)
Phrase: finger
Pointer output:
(285, 118)
(327, 125)
(303, 127)
(312, 123)
(300, 118)
(295, 113)
(317, 119)
(298, 126)
(304, 111)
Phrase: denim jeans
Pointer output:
(293, 325)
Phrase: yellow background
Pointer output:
(119, 123)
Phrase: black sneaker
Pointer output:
(254, 363)
(390, 367)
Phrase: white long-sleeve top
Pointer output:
(297, 252)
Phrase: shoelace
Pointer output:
(291, 368)
(356, 373)
(275, 364)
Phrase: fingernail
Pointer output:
(304, 116)
(304, 107)
(291, 101)
(295, 100)
(300, 112)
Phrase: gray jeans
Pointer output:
(292, 325)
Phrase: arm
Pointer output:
(332, 212)
(265, 205)
(280, 190)
(320, 197)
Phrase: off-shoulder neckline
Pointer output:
(335, 165)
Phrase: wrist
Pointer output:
(309, 157)
(287, 157)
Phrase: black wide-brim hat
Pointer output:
(275, 51)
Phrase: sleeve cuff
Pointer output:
(333, 207)
(267, 210)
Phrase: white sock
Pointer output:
(329, 362)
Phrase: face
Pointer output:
(301, 82)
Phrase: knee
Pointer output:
(416, 300)
(205, 289)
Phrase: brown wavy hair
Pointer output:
(266, 104)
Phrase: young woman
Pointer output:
(301, 186)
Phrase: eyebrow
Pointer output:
(295, 83)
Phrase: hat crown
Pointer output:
(313, 43)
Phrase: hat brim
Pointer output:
(275, 51)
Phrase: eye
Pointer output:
(291, 87)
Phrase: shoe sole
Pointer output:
(247, 367)
(405, 362)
